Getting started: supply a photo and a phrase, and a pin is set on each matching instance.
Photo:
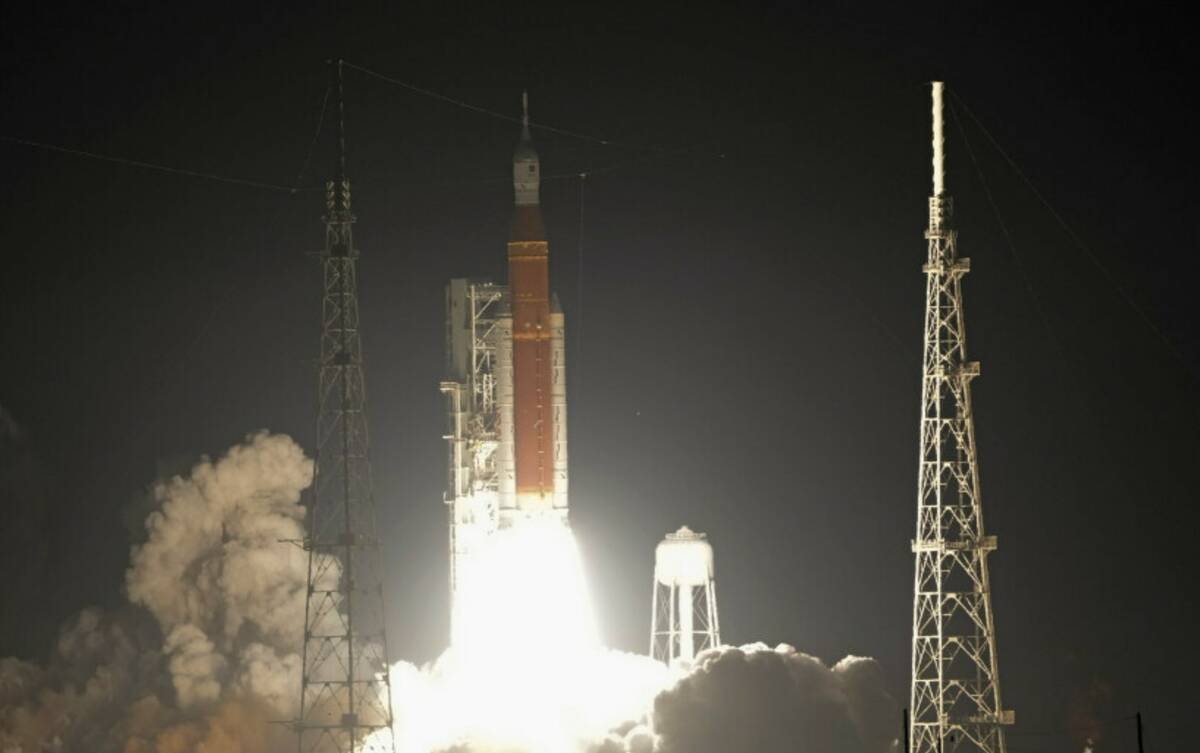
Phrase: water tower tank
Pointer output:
(683, 558)
(684, 601)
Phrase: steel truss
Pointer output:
(685, 620)
(345, 698)
(955, 698)
(473, 484)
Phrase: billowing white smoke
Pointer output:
(456, 706)
(527, 673)
(228, 595)
(751, 698)
(206, 655)
(99, 664)
(209, 653)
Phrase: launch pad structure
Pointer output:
(477, 324)
(505, 391)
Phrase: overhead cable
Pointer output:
(495, 114)
(1079, 243)
(316, 136)
(151, 165)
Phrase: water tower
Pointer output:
(684, 603)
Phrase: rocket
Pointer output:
(505, 388)
(537, 451)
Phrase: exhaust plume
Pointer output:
(750, 698)
(205, 655)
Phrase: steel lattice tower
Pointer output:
(345, 699)
(955, 700)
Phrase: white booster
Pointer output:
(684, 600)
(558, 404)
(506, 467)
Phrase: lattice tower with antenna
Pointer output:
(955, 697)
(345, 699)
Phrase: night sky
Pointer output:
(743, 340)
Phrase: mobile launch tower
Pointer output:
(506, 391)
(955, 696)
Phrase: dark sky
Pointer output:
(751, 301)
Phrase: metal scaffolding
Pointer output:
(476, 312)
(345, 699)
(955, 698)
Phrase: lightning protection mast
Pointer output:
(955, 700)
(345, 699)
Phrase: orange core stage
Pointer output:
(529, 285)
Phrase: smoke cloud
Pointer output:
(774, 701)
(206, 654)
(749, 698)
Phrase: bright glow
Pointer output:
(524, 592)
(526, 670)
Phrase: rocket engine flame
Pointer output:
(526, 669)
(527, 672)
(525, 592)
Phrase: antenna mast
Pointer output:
(345, 697)
(955, 697)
